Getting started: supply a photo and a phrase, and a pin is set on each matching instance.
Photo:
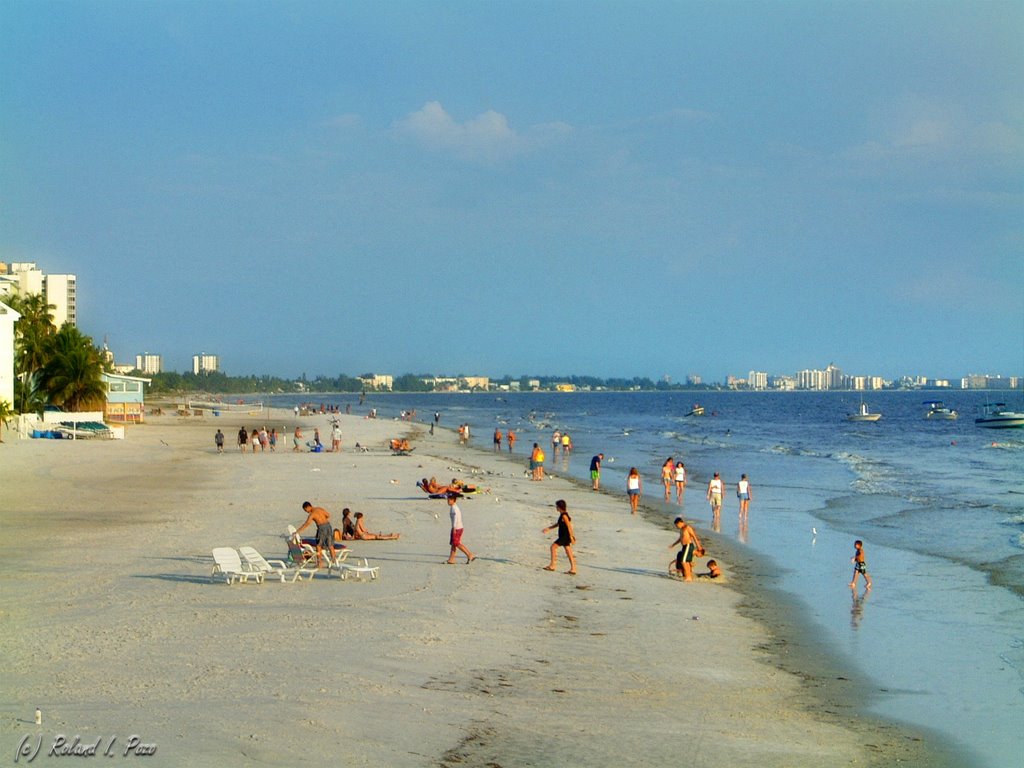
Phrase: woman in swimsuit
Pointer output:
(566, 538)
(362, 534)
(634, 488)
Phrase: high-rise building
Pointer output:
(204, 363)
(148, 363)
(24, 278)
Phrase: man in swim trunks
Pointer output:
(860, 565)
(690, 542)
(595, 471)
(324, 534)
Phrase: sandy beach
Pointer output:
(113, 628)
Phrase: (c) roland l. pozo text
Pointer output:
(106, 746)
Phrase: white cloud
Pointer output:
(488, 137)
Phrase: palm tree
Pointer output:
(32, 334)
(72, 373)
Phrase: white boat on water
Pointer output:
(996, 416)
(863, 414)
(936, 410)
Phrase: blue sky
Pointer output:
(609, 188)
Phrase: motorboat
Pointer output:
(996, 416)
(936, 410)
(697, 410)
(863, 414)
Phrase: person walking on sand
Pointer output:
(714, 494)
(297, 440)
(690, 544)
(324, 534)
(668, 473)
(243, 439)
(595, 471)
(680, 475)
(860, 565)
(511, 440)
(566, 538)
(744, 494)
(634, 487)
(456, 535)
(218, 440)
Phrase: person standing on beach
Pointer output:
(497, 439)
(243, 439)
(744, 494)
(324, 534)
(668, 470)
(860, 565)
(335, 437)
(218, 440)
(566, 538)
(566, 444)
(595, 471)
(714, 494)
(511, 440)
(680, 473)
(456, 535)
(556, 443)
(690, 544)
(635, 488)
(297, 440)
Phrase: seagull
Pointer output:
(814, 531)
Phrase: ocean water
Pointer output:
(938, 504)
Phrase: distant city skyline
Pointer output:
(641, 189)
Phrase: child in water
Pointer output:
(860, 565)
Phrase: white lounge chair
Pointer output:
(304, 555)
(228, 563)
(275, 569)
(359, 571)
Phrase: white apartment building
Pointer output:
(8, 317)
(149, 363)
(757, 380)
(24, 278)
(204, 363)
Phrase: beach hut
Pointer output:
(125, 400)
(7, 319)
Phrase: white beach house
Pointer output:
(7, 319)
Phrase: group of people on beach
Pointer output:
(260, 439)
(328, 538)
(510, 438)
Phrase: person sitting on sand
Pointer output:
(361, 534)
(461, 487)
(400, 445)
(347, 530)
(714, 571)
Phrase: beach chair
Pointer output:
(358, 571)
(273, 568)
(303, 555)
(228, 563)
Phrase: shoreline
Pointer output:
(506, 620)
(829, 681)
